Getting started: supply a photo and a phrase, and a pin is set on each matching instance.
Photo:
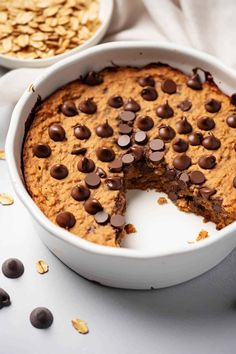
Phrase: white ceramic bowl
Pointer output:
(105, 13)
(159, 255)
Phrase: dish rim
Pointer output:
(32, 207)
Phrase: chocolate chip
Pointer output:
(127, 159)
(182, 162)
(101, 173)
(195, 138)
(137, 152)
(82, 132)
(115, 101)
(206, 192)
(69, 108)
(41, 150)
(211, 142)
(77, 150)
(233, 99)
(86, 165)
(92, 180)
(101, 217)
(88, 106)
(59, 171)
(149, 93)
(194, 82)
(197, 177)
(170, 174)
(13, 268)
(124, 141)
(146, 81)
(80, 193)
(125, 129)
(145, 123)
(207, 162)
(166, 132)
(231, 121)
(4, 299)
(164, 111)
(140, 138)
(116, 166)
(234, 182)
(114, 183)
(185, 105)
(212, 105)
(132, 105)
(104, 130)
(205, 123)
(105, 154)
(92, 79)
(127, 116)
(157, 145)
(56, 132)
(168, 86)
(65, 219)
(184, 177)
(183, 126)
(117, 221)
(92, 206)
(173, 196)
(180, 145)
(156, 157)
(41, 318)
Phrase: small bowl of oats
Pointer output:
(38, 33)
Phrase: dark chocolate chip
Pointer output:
(194, 82)
(93, 79)
(156, 157)
(92, 180)
(80, 193)
(41, 150)
(104, 130)
(13, 268)
(127, 116)
(231, 121)
(88, 106)
(166, 132)
(92, 206)
(124, 141)
(205, 123)
(56, 132)
(101, 173)
(213, 105)
(137, 152)
(197, 177)
(146, 81)
(125, 129)
(105, 154)
(165, 111)
(195, 138)
(69, 108)
(101, 217)
(168, 86)
(185, 105)
(233, 99)
(82, 132)
(170, 174)
(115, 101)
(140, 138)
(132, 105)
(183, 126)
(180, 145)
(207, 162)
(127, 159)
(182, 162)
(116, 166)
(145, 123)
(234, 182)
(114, 183)
(157, 145)
(206, 192)
(211, 142)
(4, 299)
(86, 165)
(149, 93)
(65, 219)
(41, 318)
(173, 196)
(117, 221)
(59, 171)
(78, 150)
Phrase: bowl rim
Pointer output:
(44, 62)
(32, 207)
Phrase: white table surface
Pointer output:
(195, 317)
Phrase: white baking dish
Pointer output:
(159, 255)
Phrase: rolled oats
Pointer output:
(42, 267)
(6, 199)
(80, 326)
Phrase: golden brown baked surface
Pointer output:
(163, 155)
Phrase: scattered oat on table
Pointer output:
(130, 229)
(42, 267)
(162, 200)
(80, 326)
(33, 29)
(202, 235)
(2, 155)
(6, 199)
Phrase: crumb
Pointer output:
(130, 229)
(162, 200)
(202, 235)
